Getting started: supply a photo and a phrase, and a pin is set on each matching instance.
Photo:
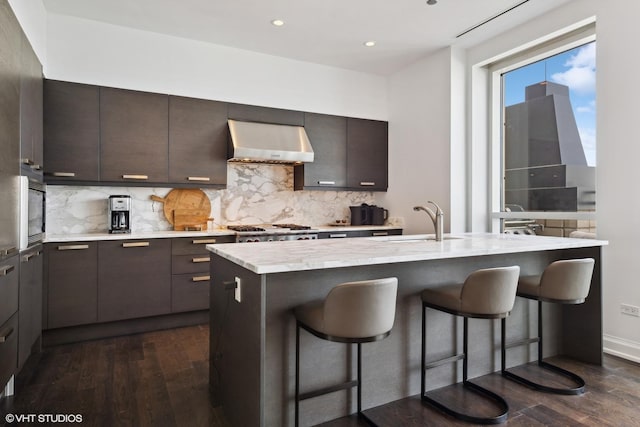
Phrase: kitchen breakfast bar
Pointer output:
(254, 288)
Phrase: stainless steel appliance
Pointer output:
(119, 214)
(32, 212)
(272, 233)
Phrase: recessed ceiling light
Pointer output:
(278, 22)
(370, 43)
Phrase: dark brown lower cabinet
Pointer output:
(71, 271)
(134, 279)
(8, 319)
(190, 278)
(30, 307)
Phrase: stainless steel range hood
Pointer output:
(264, 142)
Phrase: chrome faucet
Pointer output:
(437, 218)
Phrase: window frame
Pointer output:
(554, 46)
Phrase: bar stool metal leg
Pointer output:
(498, 400)
(579, 382)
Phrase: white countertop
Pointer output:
(294, 255)
(60, 238)
(84, 237)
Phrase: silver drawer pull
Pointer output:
(201, 278)
(326, 183)
(203, 241)
(63, 174)
(335, 236)
(135, 177)
(6, 270)
(380, 233)
(367, 183)
(8, 251)
(72, 247)
(204, 259)
(4, 336)
(27, 257)
(198, 178)
(36, 167)
(135, 244)
(26, 161)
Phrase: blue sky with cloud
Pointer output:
(575, 68)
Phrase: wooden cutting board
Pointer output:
(184, 199)
(190, 219)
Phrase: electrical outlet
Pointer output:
(631, 310)
(238, 292)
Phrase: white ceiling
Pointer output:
(330, 32)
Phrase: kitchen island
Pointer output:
(252, 352)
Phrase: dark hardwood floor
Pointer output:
(161, 379)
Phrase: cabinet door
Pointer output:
(367, 154)
(328, 137)
(134, 279)
(134, 136)
(30, 111)
(9, 288)
(252, 113)
(9, 126)
(71, 131)
(197, 141)
(30, 311)
(72, 283)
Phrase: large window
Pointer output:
(548, 143)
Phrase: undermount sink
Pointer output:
(416, 238)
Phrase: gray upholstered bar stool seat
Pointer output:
(562, 282)
(353, 313)
(487, 294)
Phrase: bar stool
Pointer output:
(562, 282)
(486, 294)
(352, 313)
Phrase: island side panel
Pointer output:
(582, 323)
(391, 367)
(236, 356)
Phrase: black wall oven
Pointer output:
(32, 212)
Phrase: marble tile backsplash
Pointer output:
(255, 194)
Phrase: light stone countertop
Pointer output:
(84, 237)
(294, 255)
(60, 238)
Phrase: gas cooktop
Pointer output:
(274, 227)
(273, 232)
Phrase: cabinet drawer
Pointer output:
(190, 292)
(197, 263)
(9, 349)
(197, 245)
(8, 288)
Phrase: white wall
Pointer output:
(33, 19)
(618, 173)
(419, 135)
(91, 52)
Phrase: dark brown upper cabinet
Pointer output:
(252, 113)
(328, 137)
(71, 131)
(134, 130)
(31, 156)
(198, 135)
(367, 154)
